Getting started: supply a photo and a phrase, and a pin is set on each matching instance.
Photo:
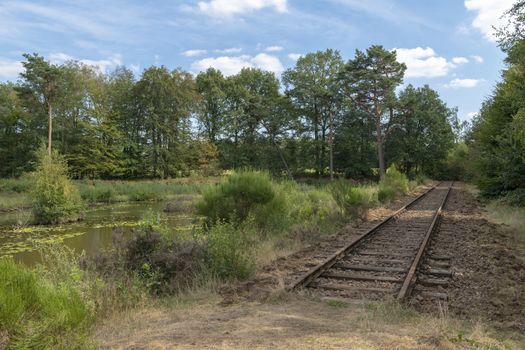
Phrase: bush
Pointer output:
(160, 263)
(353, 200)
(394, 184)
(55, 198)
(38, 314)
(235, 198)
(230, 252)
(515, 198)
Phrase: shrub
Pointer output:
(394, 184)
(55, 198)
(161, 264)
(38, 314)
(230, 252)
(235, 198)
(353, 200)
(515, 198)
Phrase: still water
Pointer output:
(100, 225)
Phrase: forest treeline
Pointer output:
(494, 153)
(324, 116)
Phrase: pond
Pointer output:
(98, 229)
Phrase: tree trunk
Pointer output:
(288, 171)
(50, 127)
(380, 151)
(316, 141)
(331, 145)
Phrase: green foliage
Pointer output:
(369, 80)
(456, 166)
(394, 184)
(55, 198)
(353, 200)
(515, 198)
(305, 205)
(39, 314)
(235, 198)
(497, 140)
(114, 126)
(420, 134)
(18, 185)
(119, 191)
(230, 249)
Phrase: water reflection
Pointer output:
(95, 232)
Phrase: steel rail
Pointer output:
(411, 277)
(316, 271)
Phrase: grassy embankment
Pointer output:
(251, 220)
(14, 193)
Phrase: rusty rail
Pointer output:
(332, 259)
(411, 276)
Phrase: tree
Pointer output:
(497, 140)
(18, 133)
(369, 81)
(420, 132)
(313, 87)
(164, 102)
(211, 86)
(42, 80)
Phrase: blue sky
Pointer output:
(448, 44)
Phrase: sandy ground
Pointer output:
(292, 323)
(260, 315)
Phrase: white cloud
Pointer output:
(274, 48)
(295, 56)
(268, 62)
(488, 15)
(472, 114)
(459, 60)
(423, 62)
(104, 65)
(230, 50)
(227, 8)
(463, 83)
(193, 53)
(60, 57)
(10, 69)
(230, 65)
(477, 58)
(135, 68)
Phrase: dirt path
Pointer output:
(488, 283)
(489, 277)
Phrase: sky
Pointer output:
(447, 44)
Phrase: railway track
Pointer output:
(385, 261)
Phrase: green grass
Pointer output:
(100, 191)
(37, 314)
(12, 200)
(14, 193)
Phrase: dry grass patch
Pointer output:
(291, 322)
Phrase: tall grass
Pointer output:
(393, 185)
(354, 200)
(39, 314)
(122, 191)
(14, 193)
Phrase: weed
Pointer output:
(39, 314)
(230, 250)
(353, 200)
(394, 184)
(235, 198)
